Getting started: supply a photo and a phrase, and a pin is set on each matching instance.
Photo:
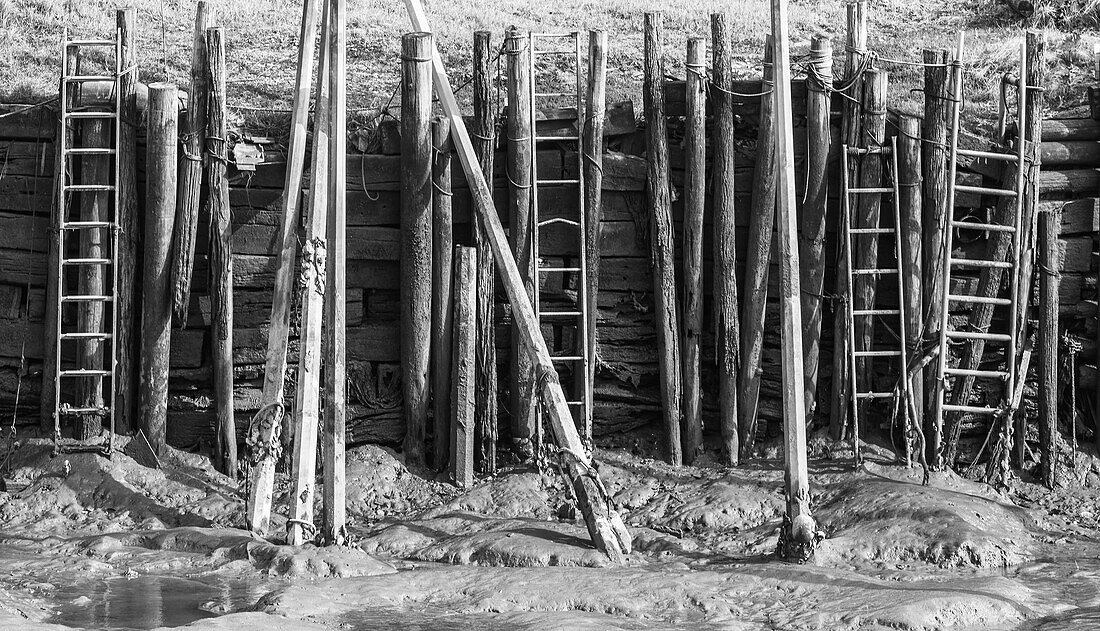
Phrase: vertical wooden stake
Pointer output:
(484, 145)
(130, 222)
(334, 517)
(909, 186)
(160, 206)
(726, 317)
(465, 359)
(799, 534)
(661, 235)
(694, 205)
(416, 236)
(221, 256)
(757, 261)
(191, 168)
(1049, 274)
(812, 242)
(520, 129)
(442, 290)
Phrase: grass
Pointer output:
(262, 36)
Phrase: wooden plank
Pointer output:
(484, 126)
(694, 206)
(442, 325)
(1070, 153)
(461, 465)
(29, 123)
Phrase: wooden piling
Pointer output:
(856, 49)
(757, 262)
(130, 234)
(334, 509)
(694, 204)
(464, 375)
(191, 170)
(416, 236)
(661, 236)
(442, 290)
(1049, 275)
(934, 161)
(726, 316)
(160, 202)
(519, 210)
(814, 208)
(909, 187)
(484, 133)
(221, 256)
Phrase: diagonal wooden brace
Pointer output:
(605, 526)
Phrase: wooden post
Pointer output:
(661, 235)
(812, 241)
(314, 281)
(726, 317)
(757, 262)
(191, 169)
(909, 186)
(130, 220)
(592, 144)
(694, 204)
(937, 102)
(800, 531)
(276, 429)
(1049, 274)
(605, 526)
(416, 237)
(485, 146)
(856, 47)
(221, 256)
(465, 360)
(160, 202)
(334, 511)
(519, 209)
(442, 290)
(868, 211)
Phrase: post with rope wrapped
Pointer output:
(909, 186)
(464, 365)
(758, 261)
(519, 209)
(416, 237)
(695, 185)
(221, 256)
(819, 85)
(484, 132)
(160, 206)
(661, 236)
(191, 168)
(1050, 273)
(852, 91)
(442, 290)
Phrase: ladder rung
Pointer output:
(85, 336)
(877, 353)
(875, 312)
(991, 227)
(86, 298)
(574, 402)
(981, 263)
(90, 151)
(874, 395)
(882, 270)
(555, 52)
(964, 372)
(558, 269)
(556, 182)
(110, 115)
(947, 407)
(560, 314)
(89, 187)
(988, 155)
(567, 358)
(86, 262)
(976, 335)
(979, 300)
(78, 225)
(558, 138)
(85, 372)
(555, 94)
(90, 42)
(85, 410)
(553, 35)
(871, 190)
(568, 222)
(871, 230)
(981, 190)
(862, 151)
(92, 77)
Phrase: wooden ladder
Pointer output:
(100, 235)
(553, 219)
(862, 357)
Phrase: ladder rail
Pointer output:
(62, 200)
(853, 377)
(1014, 280)
(903, 346)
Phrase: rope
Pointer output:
(309, 531)
(1073, 347)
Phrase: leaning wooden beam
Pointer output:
(442, 290)
(465, 359)
(909, 174)
(758, 263)
(269, 429)
(221, 256)
(812, 244)
(416, 237)
(660, 238)
(726, 315)
(313, 281)
(485, 148)
(606, 528)
(160, 207)
(695, 186)
(518, 171)
(334, 66)
(800, 534)
(129, 219)
(191, 169)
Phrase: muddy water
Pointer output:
(1071, 580)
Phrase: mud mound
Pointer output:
(379, 485)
